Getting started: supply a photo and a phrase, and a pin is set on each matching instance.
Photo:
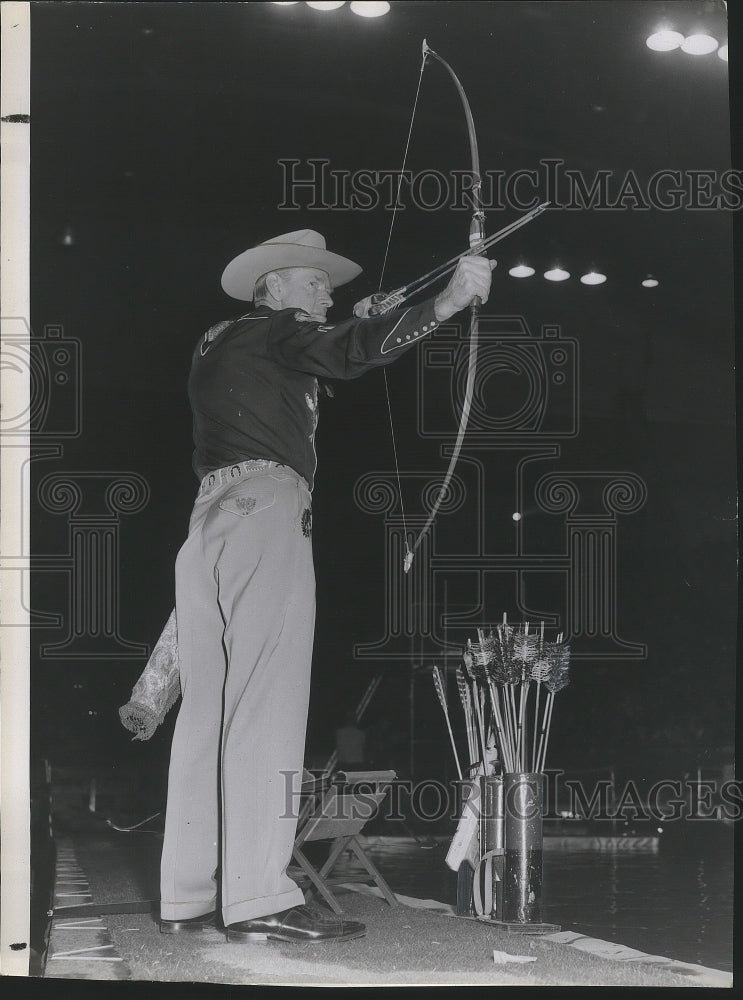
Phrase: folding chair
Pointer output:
(338, 810)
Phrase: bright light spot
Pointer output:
(723, 52)
(330, 5)
(593, 278)
(521, 271)
(664, 41)
(699, 45)
(650, 283)
(556, 274)
(369, 9)
(516, 516)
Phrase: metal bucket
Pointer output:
(492, 841)
(522, 888)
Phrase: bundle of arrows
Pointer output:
(510, 674)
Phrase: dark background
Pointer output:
(156, 130)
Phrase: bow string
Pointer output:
(476, 246)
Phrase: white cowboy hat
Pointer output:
(303, 248)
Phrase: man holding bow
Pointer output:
(245, 587)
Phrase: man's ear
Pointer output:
(275, 285)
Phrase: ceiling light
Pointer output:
(664, 41)
(723, 52)
(330, 5)
(650, 283)
(521, 271)
(369, 9)
(593, 278)
(699, 45)
(556, 274)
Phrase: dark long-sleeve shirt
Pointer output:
(253, 385)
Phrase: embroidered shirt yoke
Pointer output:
(253, 383)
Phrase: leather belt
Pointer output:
(231, 473)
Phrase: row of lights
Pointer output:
(67, 239)
(559, 274)
(699, 44)
(362, 9)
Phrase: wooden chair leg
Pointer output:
(317, 881)
(373, 871)
(337, 848)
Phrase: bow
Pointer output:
(476, 244)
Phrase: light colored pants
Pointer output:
(245, 605)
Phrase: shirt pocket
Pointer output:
(249, 498)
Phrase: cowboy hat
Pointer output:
(303, 248)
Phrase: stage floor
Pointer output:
(417, 942)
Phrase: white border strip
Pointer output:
(15, 22)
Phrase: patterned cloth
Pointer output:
(158, 687)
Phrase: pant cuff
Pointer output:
(264, 906)
(184, 911)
